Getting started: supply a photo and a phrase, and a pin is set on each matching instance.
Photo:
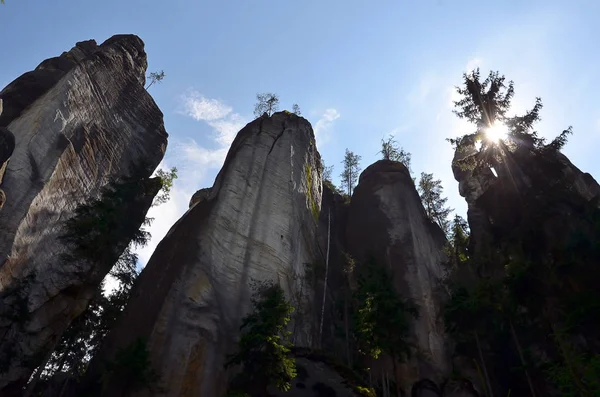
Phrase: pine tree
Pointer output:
(266, 102)
(155, 77)
(430, 191)
(350, 173)
(390, 150)
(486, 104)
(383, 317)
(296, 109)
(88, 231)
(263, 349)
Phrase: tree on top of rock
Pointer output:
(266, 102)
(390, 150)
(351, 170)
(486, 105)
(296, 110)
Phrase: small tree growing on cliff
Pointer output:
(296, 110)
(383, 317)
(390, 150)
(155, 77)
(264, 345)
(430, 191)
(166, 178)
(266, 102)
(351, 170)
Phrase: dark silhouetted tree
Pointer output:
(296, 110)
(264, 345)
(155, 77)
(430, 191)
(350, 173)
(390, 150)
(266, 102)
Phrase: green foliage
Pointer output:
(80, 342)
(309, 191)
(487, 103)
(266, 102)
(351, 171)
(390, 150)
(584, 382)
(264, 347)
(431, 190)
(131, 369)
(296, 109)
(102, 228)
(383, 317)
(155, 77)
(105, 231)
(166, 179)
(326, 172)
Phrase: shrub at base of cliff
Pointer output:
(264, 346)
(382, 316)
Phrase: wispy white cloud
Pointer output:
(194, 162)
(199, 107)
(323, 125)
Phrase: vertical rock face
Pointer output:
(257, 221)
(7, 145)
(79, 121)
(387, 221)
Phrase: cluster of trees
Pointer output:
(97, 233)
(430, 189)
(522, 301)
(377, 324)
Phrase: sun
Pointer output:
(496, 132)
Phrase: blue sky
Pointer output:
(359, 70)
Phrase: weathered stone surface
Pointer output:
(425, 388)
(79, 120)
(7, 146)
(258, 222)
(387, 220)
(26, 89)
(459, 388)
(200, 195)
(318, 375)
(332, 226)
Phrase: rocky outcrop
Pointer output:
(257, 222)
(387, 221)
(7, 145)
(321, 375)
(80, 120)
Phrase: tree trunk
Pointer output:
(326, 276)
(485, 372)
(518, 345)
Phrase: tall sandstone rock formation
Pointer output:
(535, 206)
(79, 121)
(258, 221)
(387, 221)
